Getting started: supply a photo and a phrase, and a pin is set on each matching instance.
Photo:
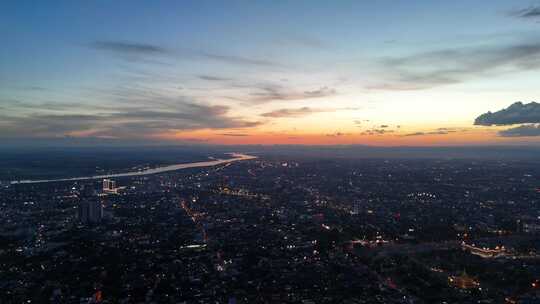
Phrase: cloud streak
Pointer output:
(376, 131)
(532, 12)
(428, 133)
(238, 60)
(272, 93)
(451, 66)
(297, 112)
(140, 121)
(129, 47)
(126, 48)
(213, 78)
(527, 130)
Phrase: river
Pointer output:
(235, 157)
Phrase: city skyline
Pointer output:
(410, 73)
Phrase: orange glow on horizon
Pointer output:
(465, 137)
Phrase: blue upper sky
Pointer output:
(139, 68)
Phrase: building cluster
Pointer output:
(279, 231)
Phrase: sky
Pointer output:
(388, 73)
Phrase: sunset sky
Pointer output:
(271, 72)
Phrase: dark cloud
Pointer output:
(376, 132)
(129, 47)
(517, 113)
(34, 88)
(46, 125)
(440, 132)
(213, 78)
(124, 122)
(450, 66)
(416, 134)
(337, 134)
(522, 131)
(47, 106)
(237, 59)
(324, 91)
(294, 112)
(146, 49)
(270, 93)
(360, 122)
(532, 12)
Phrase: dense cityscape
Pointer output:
(279, 230)
(269, 152)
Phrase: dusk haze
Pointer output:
(273, 152)
(246, 72)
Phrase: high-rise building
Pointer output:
(355, 208)
(106, 184)
(109, 185)
(90, 211)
